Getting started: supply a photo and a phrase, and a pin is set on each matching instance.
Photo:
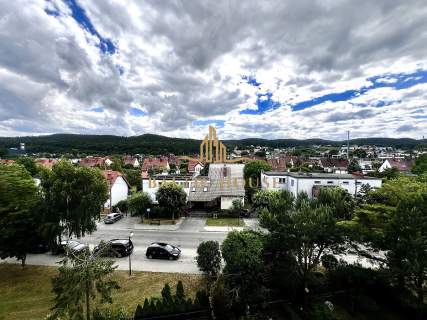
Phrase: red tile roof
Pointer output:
(192, 165)
(334, 163)
(129, 160)
(46, 163)
(7, 161)
(401, 165)
(151, 163)
(93, 162)
(112, 176)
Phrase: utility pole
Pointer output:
(348, 145)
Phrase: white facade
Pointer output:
(227, 202)
(308, 182)
(151, 185)
(119, 192)
(386, 165)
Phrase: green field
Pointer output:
(26, 293)
(225, 222)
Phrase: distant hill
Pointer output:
(156, 144)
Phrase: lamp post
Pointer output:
(130, 261)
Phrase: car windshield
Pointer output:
(168, 247)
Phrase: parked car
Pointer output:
(38, 247)
(114, 248)
(72, 245)
(161, 250)
(113, 217)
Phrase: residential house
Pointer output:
(118, 187)
(130, 161)
(331, 165)
(91, 162)
(194, 166)
(311, 183)
(46, 163)
(157, 163)
(400, 164)
(150, 185)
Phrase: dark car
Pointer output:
(38, 247)
(114, 248)
(113, 217)
(72, 245)
(161, 250)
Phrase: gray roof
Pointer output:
(220, 183)
(315, 175)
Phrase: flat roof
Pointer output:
(171, 177)
(315, 175)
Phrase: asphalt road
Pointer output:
(187, 238)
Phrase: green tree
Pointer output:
(172, 197)
(19, 200)
(300, 233)
(360, 153)
(209, 257)
(134, 178)
(82, 279)
(236, 207)
(420, 164)
(138, 203)
(353, 166)
(28, 164)
(242, 253)
(252, 175)
(394, 220)
(74, 197)
(339, 200)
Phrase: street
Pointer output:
(187, 238)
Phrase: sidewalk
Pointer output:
(165, 227)
(250, 224)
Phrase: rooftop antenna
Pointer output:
(348, 144)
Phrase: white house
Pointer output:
(151, 185)
(118, 187)
(400, 164)
(310, 183)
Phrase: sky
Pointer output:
(266, 69)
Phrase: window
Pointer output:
(345, 182)
(358, 182)
(292, 183)
(282, 180)
(330, 182)
(317, 182)
(193, 189)
(205, 189)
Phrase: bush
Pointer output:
(122, 205)
(209, 257)
(138, 204)
(171, 303)
(236, 208)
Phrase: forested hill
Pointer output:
(155, 144)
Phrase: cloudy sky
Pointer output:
(271, 69)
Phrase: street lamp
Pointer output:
(130, 261)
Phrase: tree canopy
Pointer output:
(74, 197)
(19, 202)
(172, 197)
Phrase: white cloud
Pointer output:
(184, 61)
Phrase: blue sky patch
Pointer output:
(397, 81)
(251, 80)
(216, 123)
(78, 13)
(136, 112)
(264, 103)
(97, 109)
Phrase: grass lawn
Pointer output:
(225, 222)
(26, 293)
